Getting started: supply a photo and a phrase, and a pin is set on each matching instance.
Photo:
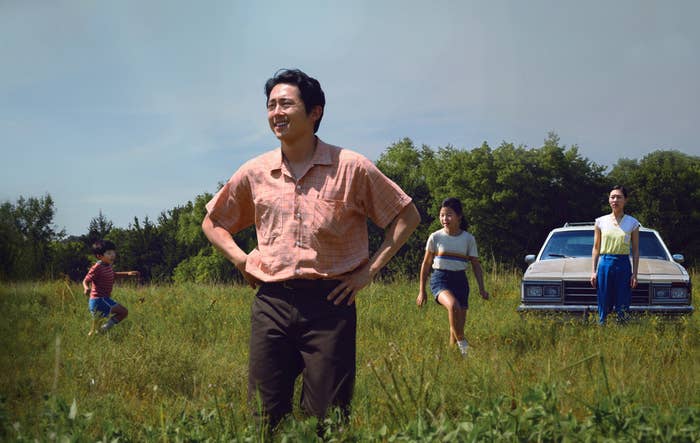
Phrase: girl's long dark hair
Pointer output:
(456, 205)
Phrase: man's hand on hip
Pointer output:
(350, 285)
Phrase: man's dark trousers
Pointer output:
(295, 330)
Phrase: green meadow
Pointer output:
(176, 370)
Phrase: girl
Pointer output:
(448, 251)
(615, 236)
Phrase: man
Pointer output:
(309, 202)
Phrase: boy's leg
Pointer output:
(119, 312)
(93, 326)
(98, 310)
(115, 314)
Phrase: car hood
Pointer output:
(580, 269)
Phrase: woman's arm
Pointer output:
(635, 257)
(595, 255)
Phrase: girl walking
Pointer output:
(448, 251)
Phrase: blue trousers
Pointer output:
(614, 290)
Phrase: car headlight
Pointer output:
(679, 292)
(533, 291)
(551, 291)
(671, 292)
(662, 292)
(542, 290)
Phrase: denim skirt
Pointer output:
(454, 281)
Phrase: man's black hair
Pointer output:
(102, 246)
(309, 88)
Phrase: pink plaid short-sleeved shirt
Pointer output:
(311, 228)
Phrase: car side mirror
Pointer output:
(678, 258)
(530, 259)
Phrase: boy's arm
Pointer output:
(125, 273)
(86, 285)
(88, 279)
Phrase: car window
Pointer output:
(580, 244)
(568, 244)
(649, 247)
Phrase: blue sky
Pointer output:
(133, 107)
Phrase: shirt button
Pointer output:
(299, 215)
(297, 271)
(298, 243)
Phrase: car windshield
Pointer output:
(566, 244)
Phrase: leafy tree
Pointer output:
(98, 229)
(208, 266)
(69, 259)
(28, 228)
(664, 190)
(11, 242)
(138, 247)
(513, 196)
(404, 164)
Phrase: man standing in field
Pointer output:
(309, 202)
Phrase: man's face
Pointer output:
(286, 113)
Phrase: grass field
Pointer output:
(176, 370)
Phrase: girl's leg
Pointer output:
(461, 320)
(448, 300)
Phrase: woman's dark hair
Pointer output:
(621, 189)
(309, 88)
(456, 205)
(102, 246)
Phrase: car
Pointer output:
(557, 279)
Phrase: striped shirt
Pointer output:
(451, 252)
(313, 227)
(101, 275)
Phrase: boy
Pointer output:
(101, 275)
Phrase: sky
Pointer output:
(131, 108)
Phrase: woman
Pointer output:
(616, 235)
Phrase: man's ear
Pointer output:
(316, 112)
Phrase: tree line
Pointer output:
(512, 197)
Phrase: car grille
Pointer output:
(581, 293)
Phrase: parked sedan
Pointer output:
(558, 278)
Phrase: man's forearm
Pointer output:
(394, 237)
(221, 239)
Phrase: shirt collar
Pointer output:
(322, 156)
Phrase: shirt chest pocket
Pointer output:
(331, 217)
(268, 219)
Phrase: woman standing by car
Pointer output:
(616, 235)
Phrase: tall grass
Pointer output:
(176, 369)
